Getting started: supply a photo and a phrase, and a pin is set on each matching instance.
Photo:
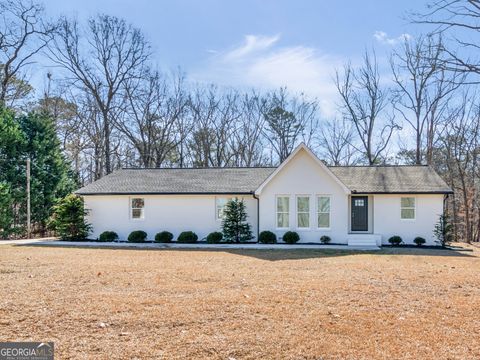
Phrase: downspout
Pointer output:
(258, 213)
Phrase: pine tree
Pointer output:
(12, 174)
(68, 219)
(443, 230)
(51, 179)
(234, 225)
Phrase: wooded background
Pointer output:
(105, 105)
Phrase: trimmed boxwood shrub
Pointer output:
(108, 236)
(419, 241)
(187, 237)
(267, 237)
(325, 239)
(214, 237)
(395, 240)
(291, 237)
(137, 236)
(164, 237)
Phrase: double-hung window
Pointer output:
(323, 212)
(283, 212)
(407, 208)
(137, 208)
(303, 212)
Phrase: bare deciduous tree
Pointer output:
(154, 108)
(101, 60)
(23, 34)
(423, 88)
(336, 138)
(364, 102)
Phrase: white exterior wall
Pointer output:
(387, 221)
(174, 213)
(304, 176)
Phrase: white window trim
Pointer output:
(130, 208)
(317, 212)
(276, 211)
(303, 212)
(414, 208)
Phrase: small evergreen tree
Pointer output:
(234, 225)
(68, 219)
(443, 230)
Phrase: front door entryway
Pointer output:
(359, 208)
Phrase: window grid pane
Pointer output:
(282, 220)
(138, 203)
(283, 204)
(303, 220)
(323, 220)
(283, 211)
(408, 202)
(137, 213)
(323, 212)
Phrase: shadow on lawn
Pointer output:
(293, 254)
(299, 254)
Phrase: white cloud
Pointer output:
(383, 38)
(252, 44)
(260, 62)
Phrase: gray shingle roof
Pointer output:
(360, 179)
(182, 181)
(391, 179)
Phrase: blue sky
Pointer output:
(259, 43)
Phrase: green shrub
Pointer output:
(108, 236)
(68, 219)
(187, 237)
(395, 240)
(214, 237)
(267, 237)
(325, 239)
(164, 237)
(137, 236)
(291, 237)
(419, 241)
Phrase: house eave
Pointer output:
(355, 192)
(163, 193)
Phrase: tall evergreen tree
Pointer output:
(12, 174)
(50, 176)
(234, 225)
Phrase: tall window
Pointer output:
(283, 211)
(220, 206)
(303, 211)
(137, 208)
(323, 212)
(407, 208)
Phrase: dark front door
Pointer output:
(359, 213)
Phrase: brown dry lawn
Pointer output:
(243, 304)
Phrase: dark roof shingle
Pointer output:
(359, 179)
(179, 181)
(391, 179)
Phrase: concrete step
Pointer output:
(366, 240)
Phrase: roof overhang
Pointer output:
(162, 193)
(402, 192)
